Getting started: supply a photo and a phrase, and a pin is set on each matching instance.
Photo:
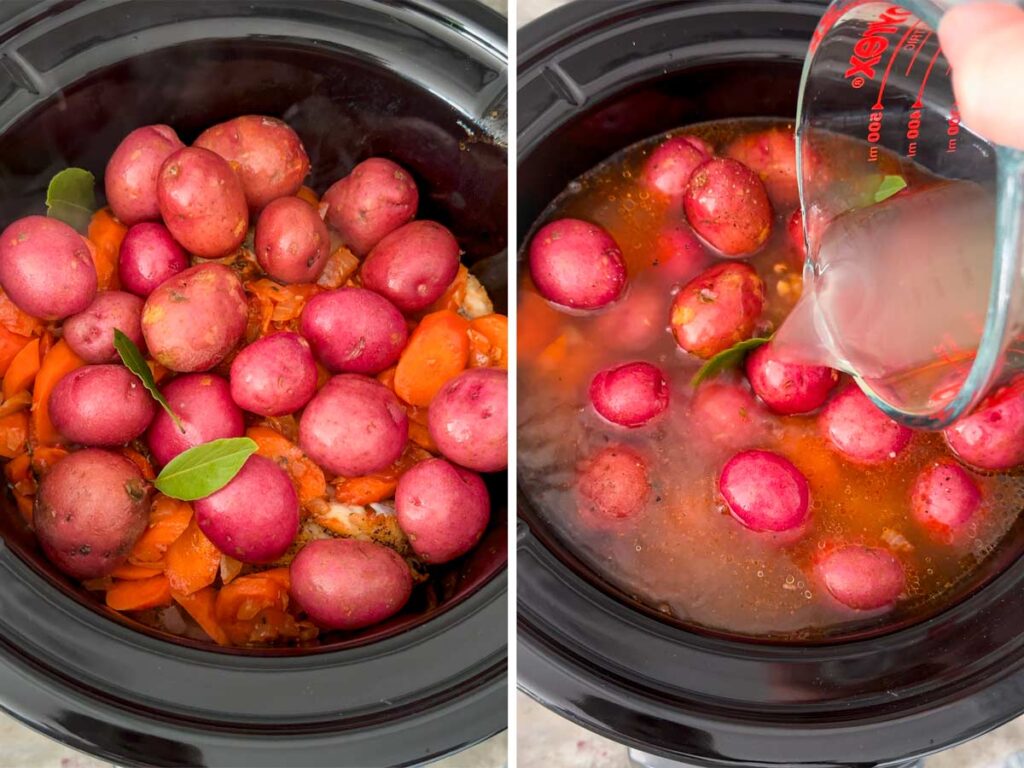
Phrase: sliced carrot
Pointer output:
(23, 369)
(387, 378)
(25, 504)
(202, 606)
(278, 305)
(438, 350)
(10, 345)
(158, 371)
(139, 595)
(488, 337)
(340, 267)
(419, 431)
(45, 456)
(14, 320)
(191, 562)
(17, 469)
(140, 461)
(379, 486)
(168, 519)
(19, 401)
(307, 194)
(57, 363)
(453, 297)
(106, 233)
(13, 434)
(240, 603)
(130, 572)
(306, 476)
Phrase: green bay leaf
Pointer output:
(71, 198)
(726, 359)
(890, 186)
(136, 363)
(204, 469)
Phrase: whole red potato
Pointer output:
(90, 334)
(413, 266)
(577, 264)
(726, 204)
(717, 309)
(130, 179)
(292, 243)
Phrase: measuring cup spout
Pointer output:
(803, 337)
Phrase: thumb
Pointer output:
(984, 43)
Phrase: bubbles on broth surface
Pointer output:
(685, 555)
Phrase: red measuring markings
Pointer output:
(917, 50)
(892, 60)
(872, 45)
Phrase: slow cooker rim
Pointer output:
(481, 614)
(547, 671)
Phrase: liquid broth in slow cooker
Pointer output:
(685, 554)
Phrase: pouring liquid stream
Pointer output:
(897, 293)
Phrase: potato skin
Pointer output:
(860, 431)
(630, 394)
(203, 403)
(442, 508)
(577, 264)
(349, 584)
(274, 375)
(788, 388)
(612, 487)
(468, 419)
(90, 510)
(45, 268)
(376, 198)
(354, 330)
(255, 517)
(269, 155)
(103, 405)
(354, 426)
(130, 179)
(771, 154)
(992, 437)
(193, 320)
(148, 257)
(765, 492)
(90, 334)
(944, 499)
(202, 203)
(727, 205)
(671, 164)
(412, 266)
(862, 578)
(717, 309)
(292, 243)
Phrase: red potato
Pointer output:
(862, 578)
(413, 266)
(636, 322)
(203, 404)
(788, 388)
(443, 509)
(255, 517)
(630, 394)
(268, 155)
(859, 431)
(795, 235)
(771, 155)
(354, 330)
(45, 268)
(292, 243)
(193, 320)
(943, 499)
(90, 334)
(376, 198)
(679, 254)
(765, 492)
(992, 437)
(148, 257)
(349, 584)
(468, 419)
(104, 405)
(202, 203)
(727, 414)
(130, 179)
(671, 164)
(91, 508)
(717, 309)
(612, 487)
(577, 264)
(354, 426)
(727, 206)
(274, 376)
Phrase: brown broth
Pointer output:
(686, 555)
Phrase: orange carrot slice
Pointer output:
(192, 562)
(307, 194)
(453, 297)
(168, 519)
(13, 434)
(139, 595)
(140, 461)
(15, 321)
(130, 572)
(57, 363)
(306, 476)
(105, 235)
(488, 336)
(45, 456)
(202, 607)
(22, 370)
(438, 350)
(240, 603)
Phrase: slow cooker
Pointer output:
(593, 79)
(421, 81)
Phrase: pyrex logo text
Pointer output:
(873, 42)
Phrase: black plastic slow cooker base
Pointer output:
(421, 81)
(593, 79)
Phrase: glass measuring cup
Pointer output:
(917, 292)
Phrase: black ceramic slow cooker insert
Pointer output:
(593, 79)
(421, 81)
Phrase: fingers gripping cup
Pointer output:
(912, 221)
